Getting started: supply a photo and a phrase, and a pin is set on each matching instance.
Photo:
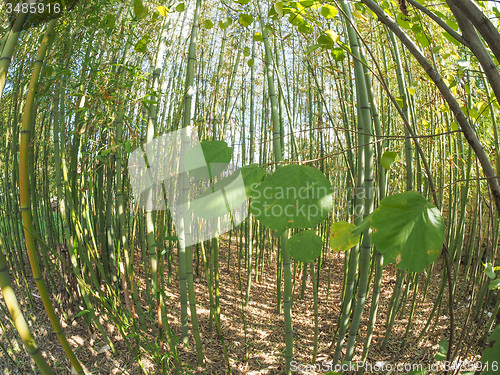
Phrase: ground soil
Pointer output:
(254, 335)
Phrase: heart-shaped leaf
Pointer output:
(328, 11)
(388, 158)
(245, 20)
(408, 231)
(341, 237)
(304, 246)
(295, 196)
(217, 156)
(225, 23)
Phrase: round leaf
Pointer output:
(491, 354)
(341, 237)
(245, 20)
(225, 23)
(217, 156)
(338, 54)
(258, 37)
(162, 10)
(140, 10)
(328, 11)
(388, 158)
(208, 24)
(180, 7)
(295, 196)
(304, 246)
(408, 231)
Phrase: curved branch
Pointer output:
(468, 131)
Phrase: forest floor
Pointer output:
(261, 350)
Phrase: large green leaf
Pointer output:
(341, 237)
(304, 246)
(217, 156)
(294, 196)
(408, 231)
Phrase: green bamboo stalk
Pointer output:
(186, 252)
(278, 158)
(26, 204)
(364, 126)
(9, 46)
(18, 318)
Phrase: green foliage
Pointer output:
(491, 355)
(140, 10)
(328, 11)
(294, 196)
(217, 156)
(341, 236)
(305, 246)
(278, 8)
(443, 349)
(258, 37)
(245, 20)
(338, 54)
(208, 24)
(388, 158)
(225, 23)
(163, 10)
(142, 45)
(407, 230)
(180, 7)
(328, 39)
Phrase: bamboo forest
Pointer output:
(249, 187)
